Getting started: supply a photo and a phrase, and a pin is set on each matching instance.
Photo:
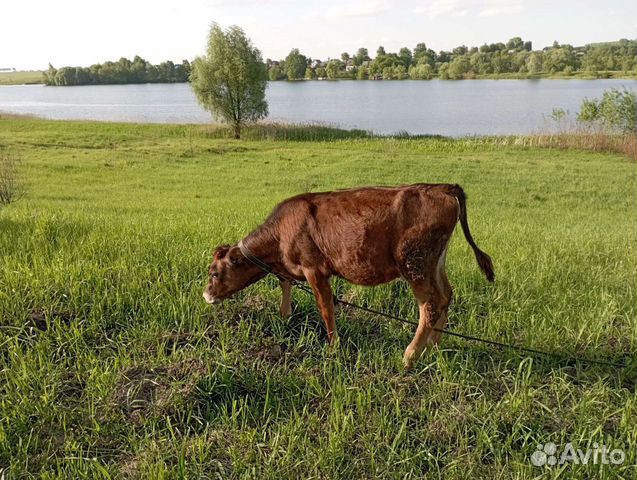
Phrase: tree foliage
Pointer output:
(230, 80)
(516, 56)
(617, 110)
(295, 65)
(121, 72)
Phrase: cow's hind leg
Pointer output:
(424, 292)
(422, 256)
(445, 295)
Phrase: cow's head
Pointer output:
(229, 273)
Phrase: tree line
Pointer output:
(422, 63)
(515, 57)
(123, 71)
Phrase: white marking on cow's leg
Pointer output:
(286, 298)
(428, 316)
(444, 293)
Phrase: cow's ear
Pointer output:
(235, 256)
(221, 251)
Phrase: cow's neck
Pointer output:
(263, 245)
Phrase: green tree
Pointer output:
(230, 80)
(480, 62)
(515, 43)
(361, 56)
(388, 73)
(275, 73)
(309, 74)
(420, 50)
(556, 59)
(321, 72)
(422, 71)
(617, 110)
(461, 50)
(138, 70)
(443, 71)
(49, 75)
(295, 64)
(380, 51)
(332, 69)
(405, 56)
(459, 67)
(534, 62)
(399, 72)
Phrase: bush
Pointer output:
(616, 111)
(10, 185)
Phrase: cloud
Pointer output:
(357, 9)
(461, 8)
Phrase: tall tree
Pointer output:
(361, 56)
(230, 80)
(295, 64)
(419, 51)
(405, 56)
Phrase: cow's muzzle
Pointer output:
(210, 299)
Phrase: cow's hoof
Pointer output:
(409, 359)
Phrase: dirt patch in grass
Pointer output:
(143, 391)
(268, 351)
(41, 320)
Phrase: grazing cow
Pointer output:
(367, 236)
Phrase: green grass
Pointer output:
(111, 365)
(22, 77)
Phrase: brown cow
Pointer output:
(367, 236)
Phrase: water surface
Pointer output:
(469, 107)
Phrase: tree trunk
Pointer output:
(237, 130)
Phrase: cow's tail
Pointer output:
(484, 260)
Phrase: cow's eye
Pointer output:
(214, 274)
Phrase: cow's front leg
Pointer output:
(323, 292)
(286, 298)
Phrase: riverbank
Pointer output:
(113, 366)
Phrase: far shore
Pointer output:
(35, 77)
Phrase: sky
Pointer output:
(80, 32)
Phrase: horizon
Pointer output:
(64, 34)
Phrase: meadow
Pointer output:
(21, 77)
(112, 365)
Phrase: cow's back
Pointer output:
(358, 232)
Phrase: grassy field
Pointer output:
(19, 78)
(112, 366)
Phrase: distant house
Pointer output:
(317, 63)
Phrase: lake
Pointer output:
(454, 108)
